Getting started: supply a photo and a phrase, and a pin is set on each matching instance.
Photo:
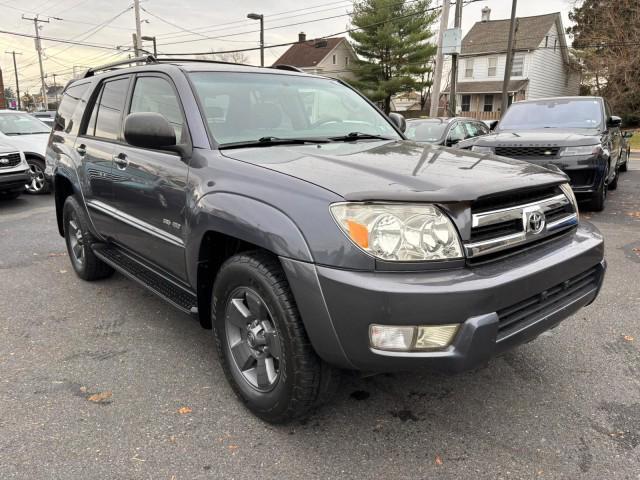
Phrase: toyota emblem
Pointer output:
(536, 222)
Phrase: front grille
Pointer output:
(581, 178)
(512, 199)
(506, 222)
(532, 309)
(527, 152)
(8, 160)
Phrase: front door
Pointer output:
(149, 186)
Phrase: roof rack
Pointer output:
(290, 68)
(147, 59)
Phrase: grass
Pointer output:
(635, 140)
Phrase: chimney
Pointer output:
(302, 37)
(486, 14)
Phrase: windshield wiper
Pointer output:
(271, 141)
(23, 133)
(353, 136)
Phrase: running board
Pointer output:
(165, 288)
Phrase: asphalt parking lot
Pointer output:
(104, 380)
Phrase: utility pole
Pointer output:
(454, 62)
(152, 39)
(507, 68)
(259, 16)
(15, 70)
(36, 20)
(137, 39)
(55, 88)
(437, 76)
(135, 44)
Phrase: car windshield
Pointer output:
(21, 124)
(574, 113)
(241, 107)
(425, 131)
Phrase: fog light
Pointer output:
(412, 338)
(391, 338)
(437, 336)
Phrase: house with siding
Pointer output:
(332, 57)
(541, 66)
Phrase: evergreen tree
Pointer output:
(392, 43)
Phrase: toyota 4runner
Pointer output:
(289, 214)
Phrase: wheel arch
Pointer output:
(62, 187)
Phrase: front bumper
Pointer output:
(495, 303)
(14, 181)
(585, 172)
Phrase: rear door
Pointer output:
(149, 187)
(99, 135)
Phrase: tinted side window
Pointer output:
(70, 100)
(155, 94)
(106, 116)
(458, 133)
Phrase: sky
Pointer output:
(184, 27)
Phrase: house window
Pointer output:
(546, 41)
(334, 59)
(346, 60)
(517, 66)
(555, 43)
(510, 99)
(465, 104)
(488, 103)
(493, 63)
(468, 68)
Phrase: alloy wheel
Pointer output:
(252, 339)
(38, 181)
(76, 240)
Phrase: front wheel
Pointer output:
(598, 197)
(38, 183)
(262, 344)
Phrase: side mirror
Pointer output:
(627, 134)
(149, 130)
(493, 125)
(398, 120)
(614, 121)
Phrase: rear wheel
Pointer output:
(79, 240)
(38, 183)
(625, 165)
(262, 344)
(613, 184)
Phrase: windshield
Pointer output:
(21, 124)
(574, 113)
(241, 107)
(426, 131)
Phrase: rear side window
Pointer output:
(155, 94)
(70, 99)
(106, 117)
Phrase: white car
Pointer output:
(30, 135)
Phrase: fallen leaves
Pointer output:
(628, 338)
(184, 410)
(63, 271)
(61, 254)
(439, 460)
(634, 214)
(100, 397)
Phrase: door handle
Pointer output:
(121, 161)
(81, 149)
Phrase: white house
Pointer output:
(332, 57)
(541, 67)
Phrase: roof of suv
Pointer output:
(571, 97)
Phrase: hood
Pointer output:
(398, 170)
(36, 143)
(546, 137)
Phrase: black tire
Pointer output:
(86, 265)
(597, 199)
(38, 184)
(625, 165)
(613, 184)
(303, 381)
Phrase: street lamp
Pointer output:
(259, 16)
(151, 39)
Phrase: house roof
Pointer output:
(493, 36)
(308, 54)
(488, 87)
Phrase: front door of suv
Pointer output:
(149, 187)
(95, 146)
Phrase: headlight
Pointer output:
(399, 232)
(582, 150)
(568, 191)
(481, 149)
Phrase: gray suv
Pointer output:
(289, 214)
